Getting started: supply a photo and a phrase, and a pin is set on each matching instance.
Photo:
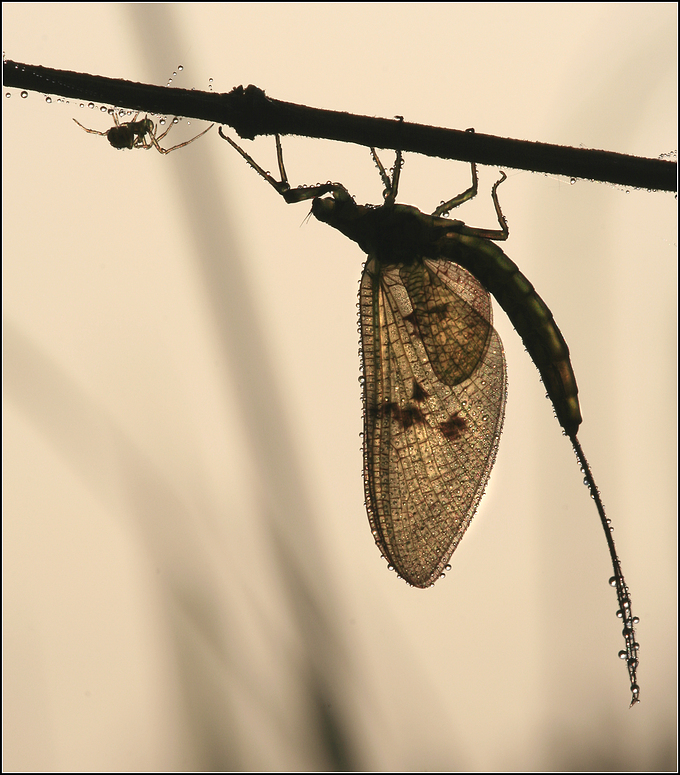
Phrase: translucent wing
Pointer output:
(434, 398)
(454, 333)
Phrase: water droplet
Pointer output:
(180, 67)
(636, 620)
(612, 581)
(623, 655)
(48, 100)
(103, 109)
(90, 105)
(619, 613)
(572, 181)
(24, 94)
(8, 95)
(447, 567)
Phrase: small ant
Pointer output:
(132, 134)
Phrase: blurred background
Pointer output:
(190, 581)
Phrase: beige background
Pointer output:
(190, 579)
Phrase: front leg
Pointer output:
(291, 195)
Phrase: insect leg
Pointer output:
(282, 186)
(142, 142)
(385, 177)
(492, 234)
(504, 232)
(391, 185)
(161, 136)
(471, 192)
(116, 119)
(446, 207)
(89, 131)
(155, 140)
(291, 195)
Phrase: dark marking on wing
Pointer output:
(407, 416)
(419, 392)
(454, 427)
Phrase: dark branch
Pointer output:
(250, 112)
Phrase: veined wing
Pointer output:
(434, 397)
(455, 332)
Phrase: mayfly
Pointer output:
(434, 374)
(138, 134)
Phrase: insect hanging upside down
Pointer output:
(434, 373)
(133, 134)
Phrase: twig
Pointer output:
(250, 112)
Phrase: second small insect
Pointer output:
(133, 134)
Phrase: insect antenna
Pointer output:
(307, 217)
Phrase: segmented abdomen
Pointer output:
(528, 313)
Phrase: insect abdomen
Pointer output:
(529, 315)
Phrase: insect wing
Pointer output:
(454, 333)
(434, 399)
